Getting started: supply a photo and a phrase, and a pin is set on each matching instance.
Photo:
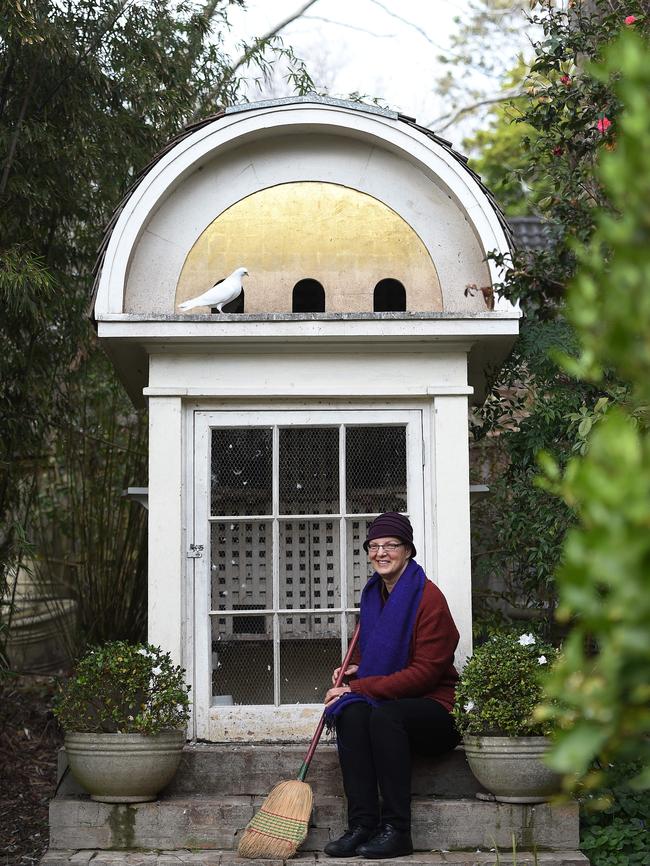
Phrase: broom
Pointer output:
(281, 825)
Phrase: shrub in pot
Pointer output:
(497, 694)
(124, 712)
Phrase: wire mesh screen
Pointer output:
(242, 659)
(241, 566)
(242, 471)
(375, 469)
(309, 470)
(306, 666)
(358, 567)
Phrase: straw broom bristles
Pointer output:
(281, 825)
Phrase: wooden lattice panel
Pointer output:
(309, 574)
(241, 568)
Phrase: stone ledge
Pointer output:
(253, 769)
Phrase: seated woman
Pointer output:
(399, 695)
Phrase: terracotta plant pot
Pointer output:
(511, 768)
(124, 768)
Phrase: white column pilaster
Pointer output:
(166, 556)
(451, 527)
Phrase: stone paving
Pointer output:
(229, 858)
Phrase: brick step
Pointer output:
(234, 770)
(205, 822)
(183, 857)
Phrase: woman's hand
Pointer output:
(348, 673)
(334, 694)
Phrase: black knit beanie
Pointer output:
(391, 525)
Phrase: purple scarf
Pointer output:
(386, 630)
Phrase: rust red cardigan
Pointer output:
(430, 672)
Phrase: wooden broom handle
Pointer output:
(319, 730)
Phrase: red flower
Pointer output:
(558, 151)
(603, 125)
(566, 80)
(630, 20)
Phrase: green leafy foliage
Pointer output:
(538, 401)
(501, 685)
(573, 116)
(600, 691)
(89, 92)
(85, 530)
(530, 406)
(124, 688)
(617, 835)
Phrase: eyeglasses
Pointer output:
(391, 547)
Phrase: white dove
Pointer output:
(220, 294)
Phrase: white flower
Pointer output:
(469, 706)
(527, 640)
(541, 660)
(156, 671)
(143, 652)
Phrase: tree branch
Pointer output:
(349, 26)
(259, 43)
(84, 54)
(467, 109)
(10, 63)
(14, 138)
(417, 28)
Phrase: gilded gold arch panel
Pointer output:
(345, 239)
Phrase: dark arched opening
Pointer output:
(389, 297)
(308, 297)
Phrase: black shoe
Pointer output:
(388, 842)
(347, 844)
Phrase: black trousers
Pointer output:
(375, 746)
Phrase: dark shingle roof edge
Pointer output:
(531, 233)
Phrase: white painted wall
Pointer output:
(356, 371)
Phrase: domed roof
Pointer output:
(345, 194)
